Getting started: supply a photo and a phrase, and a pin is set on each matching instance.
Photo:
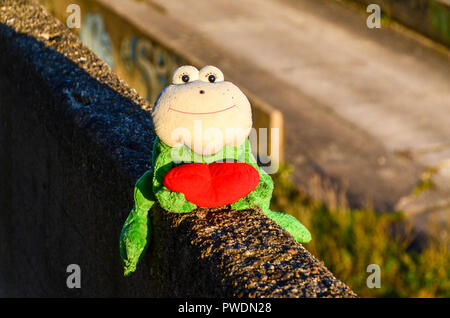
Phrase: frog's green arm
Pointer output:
(136, 230)
(169, 200)
(261, 196)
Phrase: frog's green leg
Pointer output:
(169, 200)
(261, 197)
(136, 230)
(290, 224)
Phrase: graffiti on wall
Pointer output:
(94, 35)
(155, 63)
(138, 55)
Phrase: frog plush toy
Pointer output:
(201, 158)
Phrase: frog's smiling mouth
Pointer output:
(209, 113)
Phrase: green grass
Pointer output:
(347, 241)
(426, 182)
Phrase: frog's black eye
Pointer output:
(210, 74)
(184, 74)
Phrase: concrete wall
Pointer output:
(73, 140)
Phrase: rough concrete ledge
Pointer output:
(74, 139)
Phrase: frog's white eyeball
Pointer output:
(185, 74)
(210, 74)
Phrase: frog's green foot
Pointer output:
(290, 224)
(241, 204)
(133, 241)
(175, 202)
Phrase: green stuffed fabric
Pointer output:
(136, 230)
(150, 188)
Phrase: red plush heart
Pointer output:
(212, 185)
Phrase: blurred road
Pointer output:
(384, 87)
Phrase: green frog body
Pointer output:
(197, 98)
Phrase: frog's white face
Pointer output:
(202, 111)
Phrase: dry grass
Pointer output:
(349, 240)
